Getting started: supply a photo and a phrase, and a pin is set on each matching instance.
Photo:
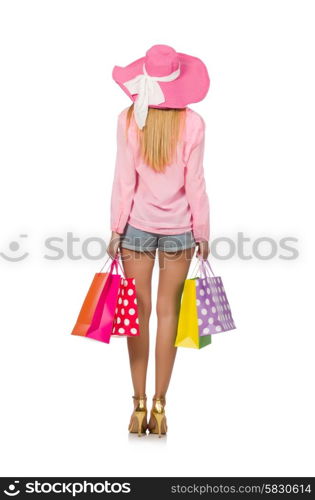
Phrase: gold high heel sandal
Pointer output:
(158, 412)
(138, 416)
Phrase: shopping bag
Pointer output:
(102, 323)
(89, 304)
(213, 308)
(187, 328)
(204, 309)
(126, 319)
(110, 307)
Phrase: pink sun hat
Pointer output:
(163, 78)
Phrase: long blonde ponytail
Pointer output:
(160, 135)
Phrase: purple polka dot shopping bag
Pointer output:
(204, 310)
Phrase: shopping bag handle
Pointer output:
(196, 265)
(109, 257)
(200, 264)
(117, 257)
(203, 262)
(116, 263)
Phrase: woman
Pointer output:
(159, 202)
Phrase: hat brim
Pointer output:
(191, 86)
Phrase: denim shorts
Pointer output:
(137, 239)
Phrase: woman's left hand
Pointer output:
(113, 246)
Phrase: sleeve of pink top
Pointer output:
(124, 181)
(195, 187)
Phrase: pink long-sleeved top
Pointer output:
(169, 202)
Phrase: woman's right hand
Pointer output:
(203, 249)
(113, 245)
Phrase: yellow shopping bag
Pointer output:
(187, 329)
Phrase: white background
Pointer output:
(242, 406)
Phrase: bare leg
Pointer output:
(174, 267)
(139, 265)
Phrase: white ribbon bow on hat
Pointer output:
(149, 92)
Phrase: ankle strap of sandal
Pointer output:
(161, 398)
(140, 397)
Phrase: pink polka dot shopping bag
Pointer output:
(204, 310)
(110, 306)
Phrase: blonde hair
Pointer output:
(159, 137)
